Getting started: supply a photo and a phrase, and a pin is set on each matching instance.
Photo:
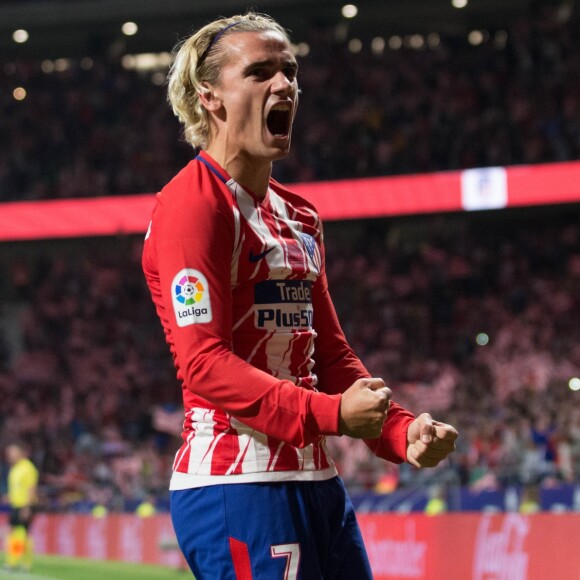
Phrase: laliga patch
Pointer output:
(190, 296)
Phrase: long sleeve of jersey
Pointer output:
(338, 367)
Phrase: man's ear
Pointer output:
(210, 97)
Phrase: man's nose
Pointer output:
(282, 84)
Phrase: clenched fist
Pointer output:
(429, 442)
(363, 408)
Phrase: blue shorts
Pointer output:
(270, 531)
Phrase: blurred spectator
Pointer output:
(91, 388)
(530, 500)
(436, 505)
(146, 508)
(91, 127)
(477, 319)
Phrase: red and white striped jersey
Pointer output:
(240, 288)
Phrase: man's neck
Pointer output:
(250, 174)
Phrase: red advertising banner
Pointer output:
(400, 547)
(473, 546)
(75, 218)
(469, 190)
(123, 537)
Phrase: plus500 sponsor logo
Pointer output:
(283, 304)
(287, 316)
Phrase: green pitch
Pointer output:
(57, 568)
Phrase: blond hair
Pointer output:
(199, 59)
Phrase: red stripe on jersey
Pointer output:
(181, 462)
(320, 458)
(300, 362)
(244, 452)
(288, 456)
(227, 447)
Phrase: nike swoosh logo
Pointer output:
(257, 257)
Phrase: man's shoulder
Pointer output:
(194, 184)
(185, 178)
(25, 466)
(30, 466)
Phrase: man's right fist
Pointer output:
(363, 408)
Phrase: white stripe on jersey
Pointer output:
(203, 442)
(260, 342)
(252, 214)
(296, 228)
(181, 480)
(275, 203)
(308, 360)
(276, 455)
(243, 445)
(180, 454)
(306, 458)
(287, 352)
(243, 318)
(316, 219)
(238, 243)
(258, 455)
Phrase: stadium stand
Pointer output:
(472, 318)
(447, 104)
(475, 319)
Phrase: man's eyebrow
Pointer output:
(270, 62)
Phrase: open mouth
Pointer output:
(279, 120)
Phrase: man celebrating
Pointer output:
(236, 267)
(22, 484)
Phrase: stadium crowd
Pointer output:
(476, 324)
(88, 126)
(476, 321)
